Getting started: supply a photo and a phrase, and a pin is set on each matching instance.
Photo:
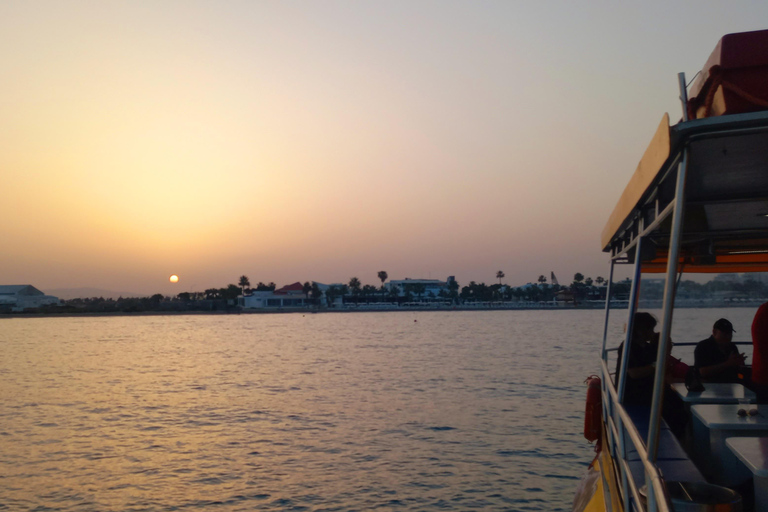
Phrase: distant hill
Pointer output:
(84, 293)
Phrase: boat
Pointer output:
(696, 203)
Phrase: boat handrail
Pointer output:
(651, 470)
(694, 343)
(625, 467)
(686, 344)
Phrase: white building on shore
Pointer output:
(19, 297)
(289, 296)
(427, 288)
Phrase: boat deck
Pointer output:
(673, 461)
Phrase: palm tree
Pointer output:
(369, 291)
(382, 277)
(316, 293)
(419, 289)
(453, 290)
(354, 287)
(244, 282)
(331, 293)
(577, 287)
(599, 280)
(499, 276)
(542, 279)
(394, 292)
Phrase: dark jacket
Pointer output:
(708, 353)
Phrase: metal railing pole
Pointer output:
(683, 94)
(631, 436)
(669, 297)
(631, 309)
(609, 287)
(612, 443)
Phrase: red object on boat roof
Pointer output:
(734, 79)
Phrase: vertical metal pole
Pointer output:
(608, 406)
(651, 497)
(683, 94)
(669, 298)
(624, 476)
(607, 310)
(631, 310)
(614, 444)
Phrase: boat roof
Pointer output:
(725, 227)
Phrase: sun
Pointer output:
(174, 278)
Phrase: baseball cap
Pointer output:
(724, 325)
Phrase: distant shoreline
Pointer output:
(305, 311)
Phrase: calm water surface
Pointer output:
(364, 411)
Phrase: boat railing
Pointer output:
(657, 497)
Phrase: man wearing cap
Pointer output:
(717, 357)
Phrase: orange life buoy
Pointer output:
(593, 418)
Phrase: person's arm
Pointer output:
(703, 362)
(734, 361)
(640, 372)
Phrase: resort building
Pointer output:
(293, 295)
(425, 289)
(289, 296)
(338, 300)
(18, 297)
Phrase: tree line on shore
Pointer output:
(354, 292)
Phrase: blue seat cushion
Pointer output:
(672, 460)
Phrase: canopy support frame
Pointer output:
(631, 310)
(668, 305)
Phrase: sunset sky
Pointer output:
(294, 141)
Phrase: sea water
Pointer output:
(363, 411)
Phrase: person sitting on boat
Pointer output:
(717, 358)
(641, 366)
(641, 370)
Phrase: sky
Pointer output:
(295, 140)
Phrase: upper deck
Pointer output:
(725, 214)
